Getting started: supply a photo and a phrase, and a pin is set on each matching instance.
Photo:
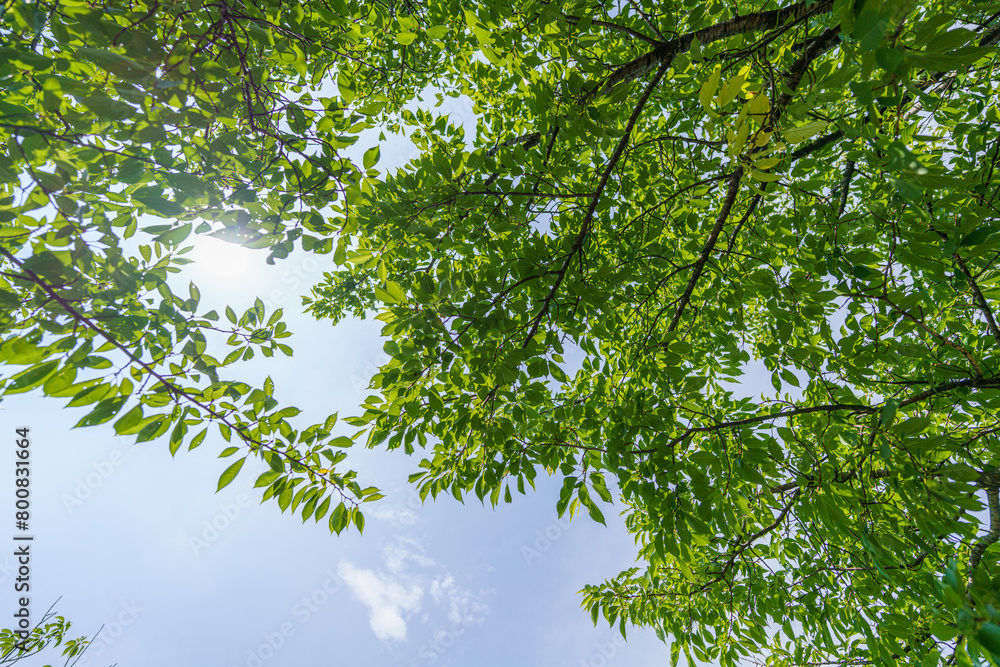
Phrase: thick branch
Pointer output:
(990, 481)
(819, 144)
(817, 47)
(981, 303)
(665, 52)
(720, 222)
(845, 188)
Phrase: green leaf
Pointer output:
(345, 86)
(391, 294)
(371, 157)
(153, 428)
(337, 521)
(763, 176)
(229, 474)
(977, 236)
(959, 59)
(175, 236)
(709, 88)
(266, 478)
(322, 509)
(731, 90)
(119, 65)
(888, 413)
(695, 49)
(437, 31)
(48, 265)
(565, 495)
(106, 108)
(795, 135)
(103, 411)
(31, 378)
(595, 514)
(177, 437)
(483, 35)
(154, 202)
(341, 441)
(988, 637)
(275, 461)
(198, 439)
(130, 422)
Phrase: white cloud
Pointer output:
(463, 606)
(396, 557)
(397, 516)
(387, 600)
(392, 596)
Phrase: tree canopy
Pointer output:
(660, 203)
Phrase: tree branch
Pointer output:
(845, 187)
(615, 26)
(588, 219)
(819, 144)
(665, 52)
(984, 306)
(989, 480)
(529, 140)
(972, 383)
(177, 392)
(713, 237)
(816, 48)
(750, 540)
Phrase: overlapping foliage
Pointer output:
(661, 202)
(128, 128)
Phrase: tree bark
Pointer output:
(665, 52)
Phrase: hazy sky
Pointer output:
(138, 542)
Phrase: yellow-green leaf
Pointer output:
(800, 133)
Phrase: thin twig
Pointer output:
(588, 219)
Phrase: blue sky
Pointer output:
(140, 543)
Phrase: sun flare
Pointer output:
(224, 261)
